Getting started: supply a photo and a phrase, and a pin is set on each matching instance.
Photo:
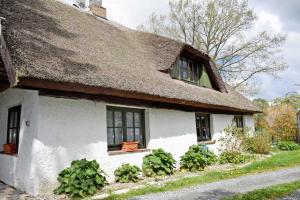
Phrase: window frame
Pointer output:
(208, 115)
(237, 119)
(124, 110)
(195, 71)
(18, 112)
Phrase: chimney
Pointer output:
(97, 9)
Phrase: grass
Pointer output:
(278, 161)
(268, 193)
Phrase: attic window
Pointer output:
(192, 71)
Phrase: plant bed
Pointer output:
(121, 188)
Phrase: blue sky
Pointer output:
(276, 16)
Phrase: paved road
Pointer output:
(217, 190)
(294, 196)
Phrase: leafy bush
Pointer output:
(82, 179)
(234, 139)
(260, 143)
(127, 173)
(233, 157)
(158, 163)
(288, 146)
(197, 158)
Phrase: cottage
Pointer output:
(75, 85)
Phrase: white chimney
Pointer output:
(96, 8)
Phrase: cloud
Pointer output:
(132, 13)
(286, 10)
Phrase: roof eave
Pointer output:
(40, 84)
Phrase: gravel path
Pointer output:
(9, 193)
(217, 190)
(294, 196)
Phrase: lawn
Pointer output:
(268, 193)
(278, 161)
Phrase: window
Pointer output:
(203, 127)
(13, 125)
(124, 125)
(192, 71)
(238, 121)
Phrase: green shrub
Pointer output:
(234, 139)
(233, 157)
(260, 143)
(127, 173)
(82, 179)
(158, 163)
(288, 146)
(197, 158)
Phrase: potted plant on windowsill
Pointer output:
(130, 146)
(10, 149)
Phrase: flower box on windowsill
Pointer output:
(130, 146)
(10, 149)
(207, 142)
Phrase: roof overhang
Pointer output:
(99, 93)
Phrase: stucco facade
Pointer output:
(56, 131)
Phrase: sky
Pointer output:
(276, 16)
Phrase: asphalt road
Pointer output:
(218, 190)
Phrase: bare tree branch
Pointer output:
(219, 28)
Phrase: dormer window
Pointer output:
(192, 71)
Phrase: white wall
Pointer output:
(18, 171)
(63, 130)
(218, 123)
(76, 129)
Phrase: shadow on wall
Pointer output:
(35, 35)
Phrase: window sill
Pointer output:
(208, 142)
(14, 155)
(113, 153)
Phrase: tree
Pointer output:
(222, 29)
(282, 122)
(260, 121)
(292, 98)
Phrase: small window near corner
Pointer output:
(203, 127)
(13, 128)
(238, 121)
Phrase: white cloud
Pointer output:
(268, 21)
(132, 13)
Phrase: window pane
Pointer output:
(118, 136)
(138, 137)
(16, 120)
(110, 118)
(191, 71)
(137, 119)
(175, 70)
(184, 69)
(11, 120)
(203, 127)
(129, 119)
(118, 119)
(130, 134)
(110, 136)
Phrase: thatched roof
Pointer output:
(48, 40)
